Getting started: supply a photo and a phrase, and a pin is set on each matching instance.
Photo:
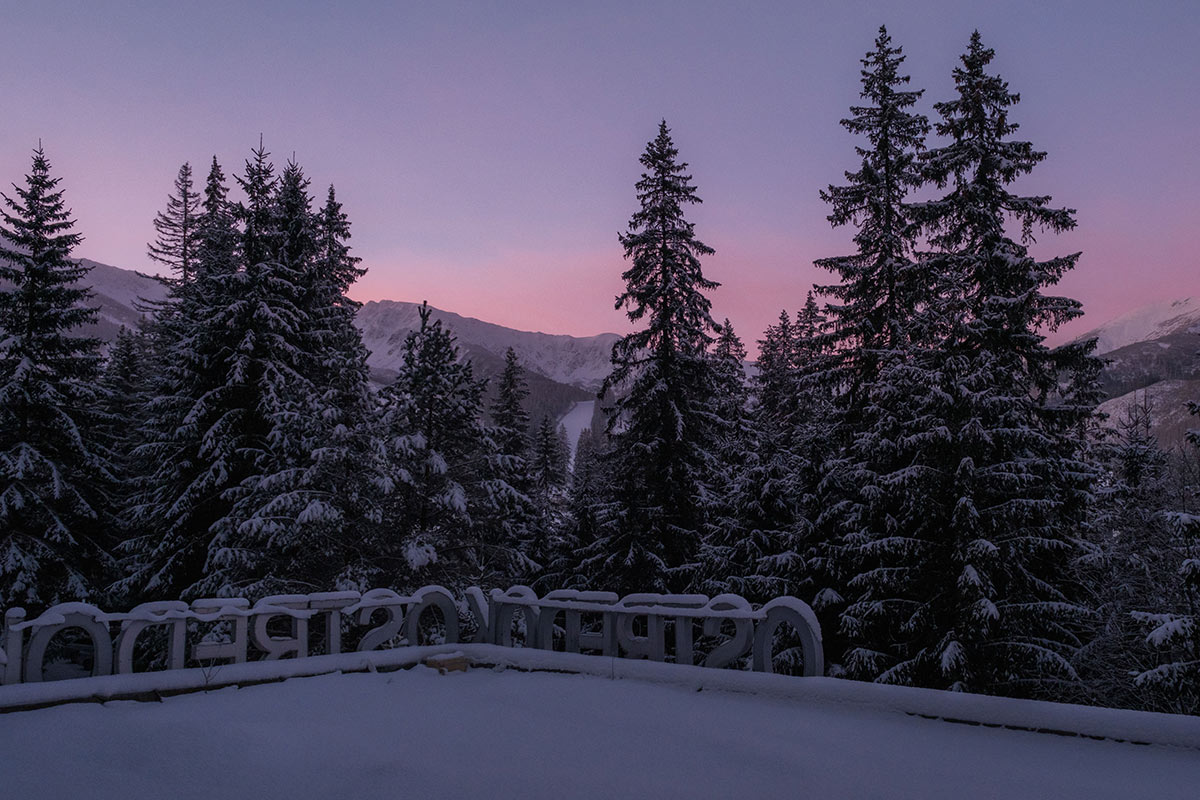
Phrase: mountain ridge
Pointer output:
(561, 370)
(582, 361)
(1150, 352)
(1152, 359)
(1145, 323)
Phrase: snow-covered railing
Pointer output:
(217, 631)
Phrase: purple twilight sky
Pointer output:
(486, 152)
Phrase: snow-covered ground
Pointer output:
(511, 734)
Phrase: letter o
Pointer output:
(431, 597)
(796, 613)
(102, 660)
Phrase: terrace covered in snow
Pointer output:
(536, 724)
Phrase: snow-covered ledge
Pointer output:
(232, 640)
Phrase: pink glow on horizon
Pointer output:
(486, 156)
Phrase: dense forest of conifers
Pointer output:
(909, 457)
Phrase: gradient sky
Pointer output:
(486, 152)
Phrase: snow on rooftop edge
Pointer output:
(1034, 715)
(543, 735)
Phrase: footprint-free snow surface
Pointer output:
(511, 734)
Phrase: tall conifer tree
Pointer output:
(509, 522)
(344, 482)
(438, 450)
(261, 546)
(54, 468)
(191, 428)
(509, 416)
(176, 226)
(881, 286)
(663, 426)
(872, 318)
(964, 581)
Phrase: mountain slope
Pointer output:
(578, 361)
(561, 370)
(1146, 324)
(119, 293)
(1151, 356)
(1167, 403)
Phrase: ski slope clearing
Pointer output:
(575, 420)
(511, 734)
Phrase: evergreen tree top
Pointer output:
(508, 412)
(881, 82)
(37, 221)
(294, 208)
(981, 159)
(333, 231)
(215, 188)
(260, 233)
(664, 282)
(878, 292)
(968, 225)
(54, 468)
(663, 190)
(36, 240)
(729, 345)
(176, 227)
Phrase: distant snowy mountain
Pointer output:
(1151, 351)
(1153, 358)
(577, 361)
(561, 370)
(1147, 323)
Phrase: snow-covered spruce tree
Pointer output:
(509, 416)
(54, 468)
(265, 471)
(769, 536)
(176, 226)
(548, 457)
(345, 478)
(732, 395)
(662, 426)
(588, 486)
(194, 419)
(966, 586)
(185, 448)
(265, 389)
(870, 316)
(282, 532)
(312, 512)
(509, 521)
(812, 402)
(1173, 682)
(775, 381)
(733, 436)
(871, 308)
(438, 450)
(747, 550)
(1126, 564)
(125, 383)
(548, 487)
(176, 246)
(228, 425)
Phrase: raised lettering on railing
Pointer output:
(656, 627)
